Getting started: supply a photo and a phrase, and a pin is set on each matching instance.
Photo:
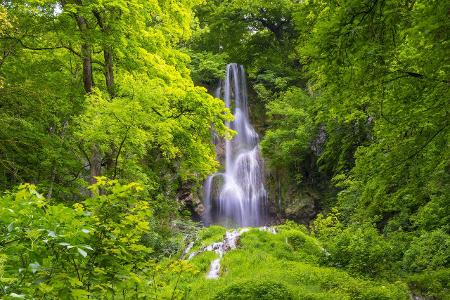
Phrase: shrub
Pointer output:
(291, 225)
(361, 250)
(433, 284)
(94, 249)
(300, 241)
(429, 251)
(264, 290)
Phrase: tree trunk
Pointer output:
(88, 81)
(88, 78)
(107, 55)
(109, 73)
(86, 55)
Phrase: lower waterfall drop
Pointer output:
(237, 196)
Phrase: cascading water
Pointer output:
(237, 196)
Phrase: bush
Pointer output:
(291, 225)
(300, 241)
(94, 249)
(264, 290)
(433, 284)
(361, 250)
(430, 251)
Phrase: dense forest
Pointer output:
(110, 123)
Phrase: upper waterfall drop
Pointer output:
(237, 195)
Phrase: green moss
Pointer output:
(209, 235)
(288, 243)
(203, 260)
(286, 262)
(264, 290)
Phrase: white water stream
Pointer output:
(237, 195)
(228, 243)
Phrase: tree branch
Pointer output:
(119, 151)
(421, 76)
(43, 48)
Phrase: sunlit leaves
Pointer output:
(376, 68)
(291, 130)
(96, 248)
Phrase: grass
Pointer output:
(207, 236)
(281, 266)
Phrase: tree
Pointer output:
(110, 53)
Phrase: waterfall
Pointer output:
(237, 195)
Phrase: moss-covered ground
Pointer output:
(286, 265)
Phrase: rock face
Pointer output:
(300, 202)
(191, 201)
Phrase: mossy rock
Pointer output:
(209, 235)
(265, 290)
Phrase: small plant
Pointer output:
(249, 290)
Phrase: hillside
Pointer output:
(287, 264)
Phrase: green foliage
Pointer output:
(357, 94)
(250, 32)
(208, 68)
(170, 280)
(96, 248)
(287, 263)
(433, 284)
(39, 241)
(429, 251)
(361, 250)
(210, 234)
(357, 97)
(255, 290)
(258, 34)
(292, 128)
(376, 79)
(102, 88)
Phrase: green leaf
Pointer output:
(14, 295)
(35, 267)
(82, 252)
(87, 247)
